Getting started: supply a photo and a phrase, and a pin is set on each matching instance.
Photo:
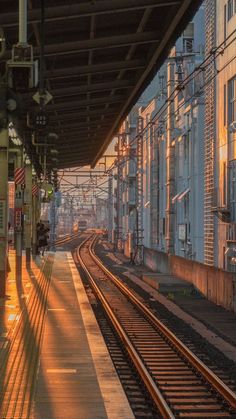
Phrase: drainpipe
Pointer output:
(23, 23)
(170, 166)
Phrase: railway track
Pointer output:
(66, 239)
(179, 383)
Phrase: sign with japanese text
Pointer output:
(18, 216)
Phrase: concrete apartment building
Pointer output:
(224, 199)
(145, 214)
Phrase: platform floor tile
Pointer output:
(76, 378)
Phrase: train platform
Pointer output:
(53, 360)
(215, 324)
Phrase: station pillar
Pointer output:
(34, 215)
(3, 209)
(19, 199)
(28, 212)
(53, 222)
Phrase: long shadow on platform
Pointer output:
(32, 330)
(64, 333)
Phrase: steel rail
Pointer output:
(209, 375)
(144, 374)
(215, 382)
(65, 239)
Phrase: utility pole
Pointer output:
(170, 166)
(110, 207)
(139, 193)
(3, 189)
(119, 196)
(71, 215)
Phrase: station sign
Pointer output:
(18, 218)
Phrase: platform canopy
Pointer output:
(99, 56)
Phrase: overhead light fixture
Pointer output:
(52, 136)
(54, 152)
(27, 160)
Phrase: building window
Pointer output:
(164, 226)
(232, 100)
(224, 183)
(186, 207)
(224, 258)
(230, 9)
(123, 210)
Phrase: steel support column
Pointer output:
(3, 209)
(28, 212)
(23, 22)
(53, 222)
(19, 195)
(34, 221)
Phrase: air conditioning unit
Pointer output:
(232, 127)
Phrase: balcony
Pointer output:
(223, 213)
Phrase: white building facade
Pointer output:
(188, 177)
